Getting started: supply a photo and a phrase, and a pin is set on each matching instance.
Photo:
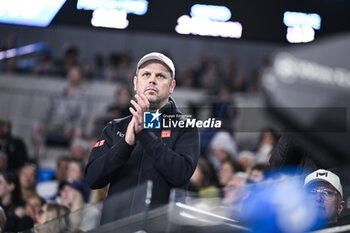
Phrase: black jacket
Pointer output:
(167, 162)
(16, 152)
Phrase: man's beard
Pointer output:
(154, 105)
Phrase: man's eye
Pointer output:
(313, 191)
(327, 192)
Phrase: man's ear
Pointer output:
(172, 86)
(341, 206)
(135, 81)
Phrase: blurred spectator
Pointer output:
(256, 75)
(3, 220)
(92, 68)
(125, 70)
(247, 160)
(268, 139)
(235, 192)
(75, 172)
(57, 212)
(258, 173)
(187, 77)
(66, 117)
(75, 169)
(61, 168)
(112, 67)
(13, 204)
(205, 179)
(69, 59)
(10, 193)
(222, 146)
(79, 149)
(33, 207)
(291, 152)
(49, 189)
(199, 69)
(212, 76)
(3, 161)
(119, 68)
(326, 191)
(223, 107)
(227, 170)
(27, 176)
(14, 148)
(117, 109)
(230, 73)
(120, 106)
(73, 194)
(98, 74)
(10, 42)
(44, 65)
(53, 210)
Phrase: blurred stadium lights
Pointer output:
(300, 34)
(291, 19)
(109, 18)
(217, 13)
(137, 7)
(206, 27)
(224, 17)
(209, 20)
(23, 50)
(301, 26)
(29, 12)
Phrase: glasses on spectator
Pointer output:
(326, 193)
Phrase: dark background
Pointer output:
(261, 20)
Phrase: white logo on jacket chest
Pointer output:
(120, 134)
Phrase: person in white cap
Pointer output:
(127, 155)
(325, 188)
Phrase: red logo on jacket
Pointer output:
(99, 143)
(166, 133)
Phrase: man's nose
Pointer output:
(152, 79)
(319, 197)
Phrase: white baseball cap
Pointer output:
(160, 57)
(327, 176)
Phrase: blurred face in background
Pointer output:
(256, 175)
(61, 169)
(123, 97)
(4, 130)
(33, 208)
(220, 154)
(5, 188)
(74, 171)
(68, 195)
(74, 76)
(27, 177)
(329, 203)
(3, 161)
(78, 152)
(225, 173)
(2, 220)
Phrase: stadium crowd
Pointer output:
(223, 170)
